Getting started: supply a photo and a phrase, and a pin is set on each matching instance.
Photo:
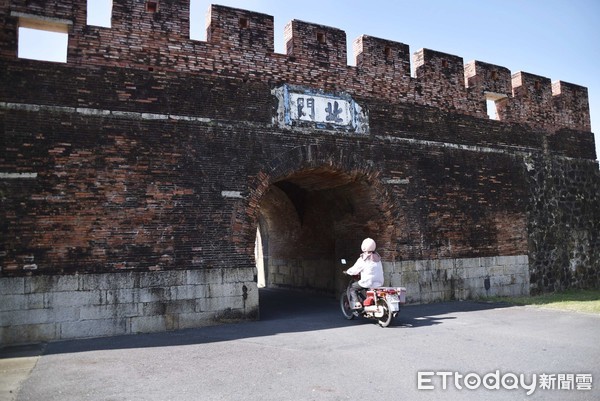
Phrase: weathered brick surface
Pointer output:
(147, 162)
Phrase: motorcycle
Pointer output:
(381, 303)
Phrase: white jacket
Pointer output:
(371, 272)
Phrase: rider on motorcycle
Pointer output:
(370, 269)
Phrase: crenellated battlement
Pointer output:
(240, 43)
(324, 46)
(239, 29)
(369, 51)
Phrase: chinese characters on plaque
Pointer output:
(308, 108)
(319, 109)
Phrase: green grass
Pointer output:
(587, 301)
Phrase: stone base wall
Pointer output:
(316, 275)
(461, 278)
(50, 308)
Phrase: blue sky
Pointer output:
(557, 39)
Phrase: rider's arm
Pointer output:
(356, 269)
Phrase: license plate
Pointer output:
(394, 301)
(392, 298)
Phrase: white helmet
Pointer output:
(368, 245)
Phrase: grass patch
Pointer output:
(587, 301)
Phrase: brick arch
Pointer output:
(319, 158)
(319, 203)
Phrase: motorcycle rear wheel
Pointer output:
(345, 306)
(386, 319)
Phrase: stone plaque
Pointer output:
(302, 107)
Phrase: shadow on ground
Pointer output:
(281, 311)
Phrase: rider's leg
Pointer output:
(354, 289)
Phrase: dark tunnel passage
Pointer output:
(308, 222)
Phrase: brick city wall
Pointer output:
(148, 154)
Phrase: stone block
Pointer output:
(422, 265)
(474, 272)
(94, 328)
(497, 270)
(187, 292)
(252, 296)
(479, 292)
(395, 279)
(148, 324)
(153, 309)
(412, 289)
(19, 317)
(168, 308)
(468, 263)
(44, 284)
(194, 277)
(284, 270)
(11, 286)
(522, 260)
(109, 281)
(115, 311)
(196, 319)
(234, 303)
(74, 298)
(12, 302)
(425, 297)
(225, 290)
(489, 262)
(408, 266)
(162, 279)
(446, 264)
(461, 294)
(182, 306)
(183, 292)
(35, 301)
(208, 304)
(410, 277)
(212, 276)
(238, 275)
(120, 296)
(155, 294)
(28, 333)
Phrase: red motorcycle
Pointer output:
(381, 303)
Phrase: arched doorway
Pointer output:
(309, 220)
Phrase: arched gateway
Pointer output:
(316, 211)
(135, 176)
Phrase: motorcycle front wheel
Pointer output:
(386, 319)
(345, 306)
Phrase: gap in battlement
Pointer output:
(197, 21)
(491, 109)
(102, 15)
(490, 101)
(42, 41)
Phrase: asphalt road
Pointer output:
(303, 349)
